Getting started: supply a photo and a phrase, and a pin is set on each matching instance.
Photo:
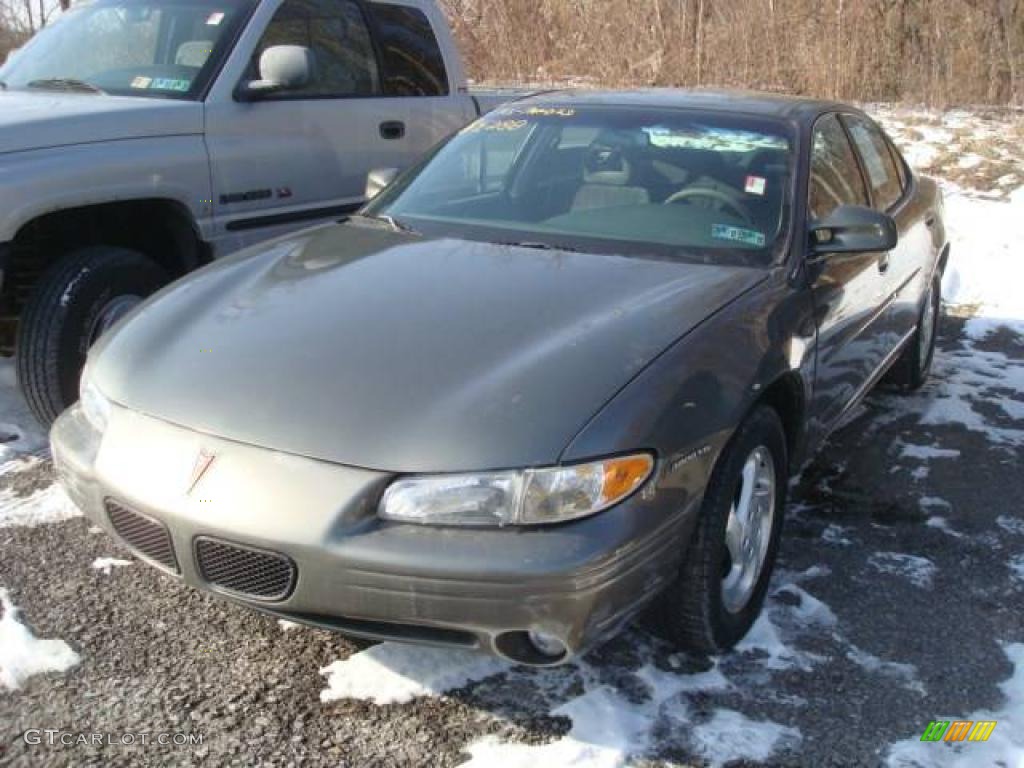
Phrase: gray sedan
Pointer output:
(556, 375)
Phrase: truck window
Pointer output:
(336, 32)
(411, 57)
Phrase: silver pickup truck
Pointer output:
(139, 139)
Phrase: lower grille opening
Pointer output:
(247, 571)
(147, 537)
(386, 630)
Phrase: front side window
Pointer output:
(411, 57)
(835, 176)
(143, 48)
(707, 187)
(335, 31)
(878, 161)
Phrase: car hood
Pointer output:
(400, 353)
(40, 119)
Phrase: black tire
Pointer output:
(912, 367)
(59, 321)
(692, 612)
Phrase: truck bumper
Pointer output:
(300, 539)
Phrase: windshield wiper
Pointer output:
(542, 246)
(65, 84)
(391, 221)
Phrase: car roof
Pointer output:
(716, 100)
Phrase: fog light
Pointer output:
(546, 644)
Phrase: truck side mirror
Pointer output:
(282, 68)
(853, 229)
(378, 179)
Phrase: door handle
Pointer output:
(883, 262)
(392, 130)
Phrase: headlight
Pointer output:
(95, 406)
(522, 497)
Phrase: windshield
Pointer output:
(150, 48)
(707, 186)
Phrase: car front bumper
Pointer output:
(258, 513)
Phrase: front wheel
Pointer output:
(723, 581)
(76, 301)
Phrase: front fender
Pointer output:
(689, 401)
(38, 182)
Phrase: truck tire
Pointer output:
(722, 583)
(76, 300)
(912, 367)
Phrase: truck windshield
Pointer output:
(145, 48)
(713, 187)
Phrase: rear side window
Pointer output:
(878, 162)
(344, 62)
(835, 177)
(411, 57)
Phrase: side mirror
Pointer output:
(282, 68)
(853, 229)
(378, 179)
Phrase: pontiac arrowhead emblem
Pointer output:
(203, 462)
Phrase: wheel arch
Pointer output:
(161, 228)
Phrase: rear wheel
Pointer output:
(78, 300)
(724, 578)
(911, 369)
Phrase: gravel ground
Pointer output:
(889, 619)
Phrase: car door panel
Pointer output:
(849, 290)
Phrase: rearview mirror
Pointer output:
(853, 229)
(378, 179)
(282, 68)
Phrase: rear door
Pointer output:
(849, 289)
(890, 193)
(375, 100)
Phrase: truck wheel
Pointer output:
(724, 578)
(911, 369)
(74, 303)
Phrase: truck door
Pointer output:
(294, 157)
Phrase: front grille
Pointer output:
(145, 535)
(254, 573)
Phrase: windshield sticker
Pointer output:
(755, 185)
(495, 126)
(712, 137)
(169, 84)
(142, 82)
(215, 19)
(538, 111)
(738, 235)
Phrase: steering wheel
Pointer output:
(725, 200)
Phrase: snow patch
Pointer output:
(729, 736)
(920, 571)
(905, 673)
(287, 626)
(1005, 746)
(1017, 567)
(927, 452)
(107, 564)
(942, 524)
(49, 505)
(22, 654)
(836, 535)
(20, 433)
(393, 673)
(1012, 525)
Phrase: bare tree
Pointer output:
(936, 51)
